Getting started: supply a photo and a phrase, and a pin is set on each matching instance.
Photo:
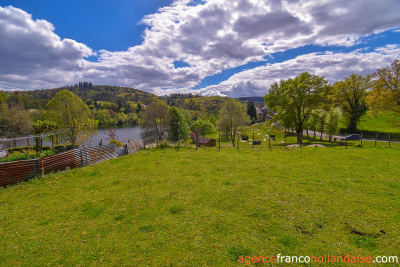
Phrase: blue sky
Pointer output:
(214, 47)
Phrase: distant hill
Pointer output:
(257, 100)
(37, 99)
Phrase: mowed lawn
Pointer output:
(168, 207)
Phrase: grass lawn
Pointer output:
(168, 207)
(383, 123)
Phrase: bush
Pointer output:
(22, 149)
(116, 142)
(19, 156)
(63, 147)
(47, 153)
(164, 145)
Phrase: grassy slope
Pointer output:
(383, 123)
(206, 207)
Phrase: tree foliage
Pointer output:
(251, 110)
(350, 96)
(205, 127)
(69, 111)
(232, 115)
(155, 121)
(177, 125)
(14, 121)
(296, 98)
(386, 89)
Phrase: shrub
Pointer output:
(164, 145)
(116, 142)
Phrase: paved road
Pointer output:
(339, 137)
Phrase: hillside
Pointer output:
(37, 99)
(206, 208)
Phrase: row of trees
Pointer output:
(310, 102)
(163, 122)
(65, 112)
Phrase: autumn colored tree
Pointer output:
(385, 95)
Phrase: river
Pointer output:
(124, 134)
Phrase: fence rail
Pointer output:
(18, 171)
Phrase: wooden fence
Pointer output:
(18, 171)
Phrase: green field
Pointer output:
(383, 123)
(168, 207)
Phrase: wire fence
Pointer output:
(18, 171)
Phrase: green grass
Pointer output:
(382, 123)
(168, 207)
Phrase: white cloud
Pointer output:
(334, 66)
(32, 55)
(212, 36)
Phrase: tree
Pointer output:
(251, 110)
(14, 122)
(296, 98)
(177, 126)
(205, 127)
(350, 96)
(103, 116)
(155, 121)
(331, 125)
(40, 127)
(385, 95)
(232, 115)
(69, 111)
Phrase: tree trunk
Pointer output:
(307, 134)
(299, 133)
(233, 139)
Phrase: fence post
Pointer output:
(37, 166)
(73, 138)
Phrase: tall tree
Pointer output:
(177, 126)
(350, 96)
(251, 110)
(297, 98)
(69, 111)
(232, 115)
(155, 121)
(385, 95)
(14, 121)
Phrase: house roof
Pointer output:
(202, 140)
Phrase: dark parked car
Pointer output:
(352, 137)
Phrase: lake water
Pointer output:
(124, 133)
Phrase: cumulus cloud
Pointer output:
(31, 54)
(333, 66)
(210, 37)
